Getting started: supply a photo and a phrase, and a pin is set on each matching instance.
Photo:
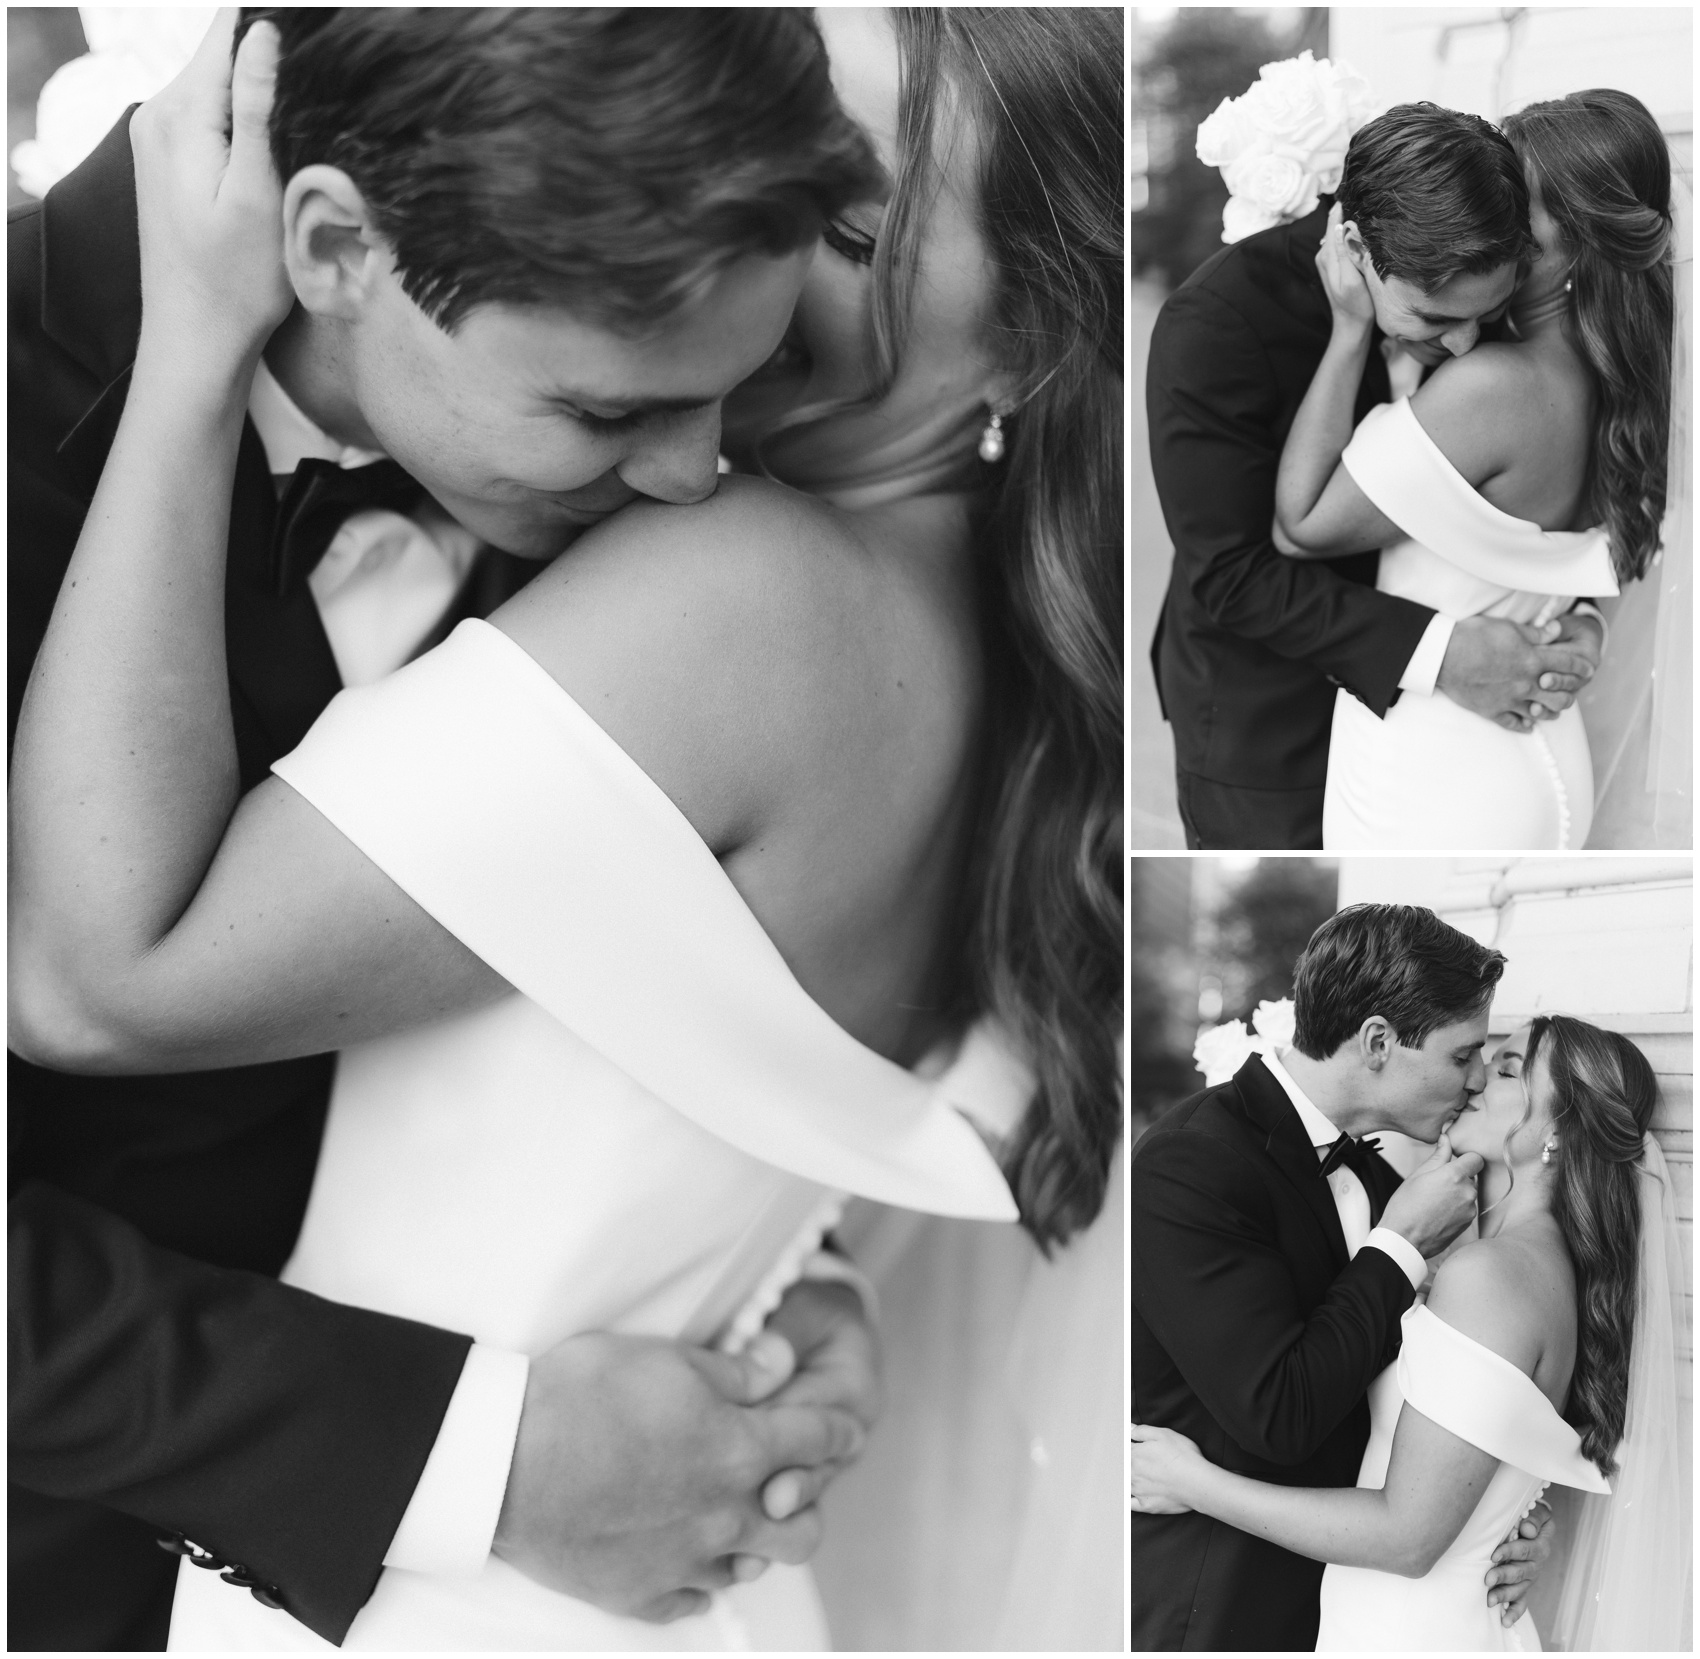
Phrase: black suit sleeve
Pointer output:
(1210, 1281)
(1216, 427)
(279, 1430)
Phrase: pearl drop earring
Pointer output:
(1548, 1150)
(991, 440)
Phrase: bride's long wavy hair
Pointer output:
(1041, 926)
(1603, 1097)
(1603, 171)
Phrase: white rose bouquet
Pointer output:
(1222, 1049)
(1282, 143)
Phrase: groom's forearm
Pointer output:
(280, 1431)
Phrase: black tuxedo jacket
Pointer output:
(160, 1377)
(1255, 1336)
(1250, 645)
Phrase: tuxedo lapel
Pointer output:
(280, 661)
(1271, 1112)
(91, 265)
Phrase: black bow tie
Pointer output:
(320, 499)
(1357, 1156)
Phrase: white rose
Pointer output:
(1275, 1022)
(1241, 219)
(1221, 1050)
(1275, 183)
(1292, 108)
(1226, 135)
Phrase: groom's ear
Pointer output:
(1375, 1042)
(1355, 249)
(330, 248)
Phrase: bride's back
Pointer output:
(1517, 420)
(804, 684)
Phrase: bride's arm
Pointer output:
(1319, 510)
(1434, 1479)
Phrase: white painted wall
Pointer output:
(1475, 58)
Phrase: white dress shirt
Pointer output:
(381, 589)
(1350, 1199)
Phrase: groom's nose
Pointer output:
(1476, 1081)
(675, 457)
(1460, 341)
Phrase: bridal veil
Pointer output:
(1622, 1576)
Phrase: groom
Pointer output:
(1273, 1255)
(1251, 645)
(488, 216)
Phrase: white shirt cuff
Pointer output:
(1423, 669)
(1400, 1248)
(451, 1521)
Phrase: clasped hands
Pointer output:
(649, 1473)
(1515, 673)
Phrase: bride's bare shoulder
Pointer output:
(1499, 1292)
(713, 642)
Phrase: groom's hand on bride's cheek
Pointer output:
(637, 1472)
(1517, 1565)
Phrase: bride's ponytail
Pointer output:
(1603, 1094)
(1603, 171)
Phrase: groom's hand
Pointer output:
(638, 1467)
(1437, 1201)
(838, 1365)
(1498, 669)
(1517, 1564)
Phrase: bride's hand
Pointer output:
(1348, 293)
(1159, 1464)
(209, 207)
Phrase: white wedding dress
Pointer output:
(1432, 775)
(649, 1137)
(1483, 1398)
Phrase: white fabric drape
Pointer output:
(1640, 723)
(990, 1508)
(1622, 1579)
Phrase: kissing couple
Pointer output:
(474, 859)
(1322, 1456)
(1394, 440)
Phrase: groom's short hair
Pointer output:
(1435, 194)
(1396, 960)
(610, 162)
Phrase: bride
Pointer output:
(630, 907)
(1545, 1354)
(1518, 476)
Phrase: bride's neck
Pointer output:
(1540, 313)
(1503, 1203)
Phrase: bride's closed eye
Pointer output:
(847, 242)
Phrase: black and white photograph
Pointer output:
(566, 828)
(1411, 543)
(1411, 1254)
